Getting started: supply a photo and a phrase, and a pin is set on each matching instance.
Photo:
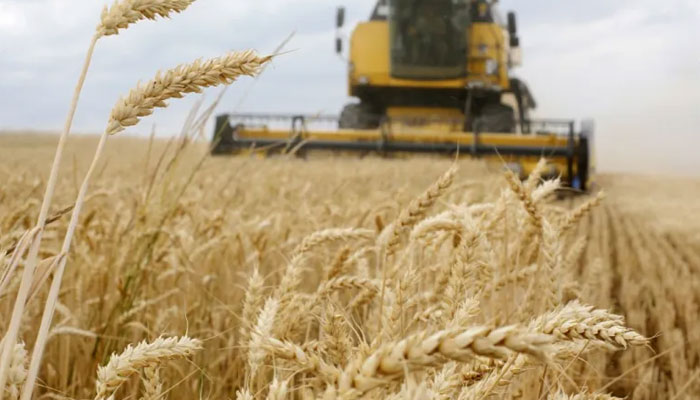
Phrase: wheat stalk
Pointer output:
(32, 258)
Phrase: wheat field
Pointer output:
(147, 269)
(297, 283)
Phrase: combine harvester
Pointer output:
(431, 76)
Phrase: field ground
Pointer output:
(168, 240)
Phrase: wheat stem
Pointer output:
(32, 259)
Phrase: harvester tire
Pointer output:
(358, 116)
(497, 118)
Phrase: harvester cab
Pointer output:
(428, 76)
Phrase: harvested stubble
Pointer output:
(228, 230)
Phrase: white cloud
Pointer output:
(12, 20)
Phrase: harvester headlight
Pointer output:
(362, 80)
(491, 66)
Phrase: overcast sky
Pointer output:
(632, 65)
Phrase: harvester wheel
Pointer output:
(498, 118)
(358, 116)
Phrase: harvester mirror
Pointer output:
(340, 17)
(512, 24)
(338, 45)
(513, 30)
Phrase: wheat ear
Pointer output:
(417, 209)
(123, 13)
(303, 359)
(534, 178)
(581, 396)
(261, 331)
(575, 216)
(545, 189)
(17, 373)
(332, 235)
(121, 366)
(335, 335)
(277, 390)
(244, 394)
(337, 267)
(391, 360)
(552, 255)
(517, 187)
(346, 282)
(174, 83)
(152, 383)
(435, 224)
(252, 302)
(576, 321)
(291, 276)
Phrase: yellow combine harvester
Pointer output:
(431, 76)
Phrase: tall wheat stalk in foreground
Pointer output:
(119, 16)
(141, 101)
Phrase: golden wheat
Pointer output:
(331, 320)
(468, 290)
